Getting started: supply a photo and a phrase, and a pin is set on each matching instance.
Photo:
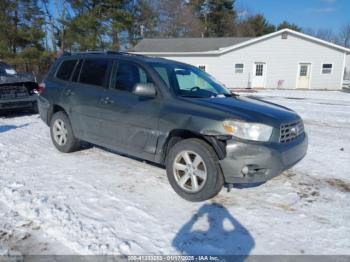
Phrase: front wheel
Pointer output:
(62, 135)
(193, 170)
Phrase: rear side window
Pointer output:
(94, 72)
(66, 69)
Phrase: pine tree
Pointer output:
(259, 25)
(22, 35)
(97, 24)
(21, 25)
(117, 17)
(220, 18)
(286, 24)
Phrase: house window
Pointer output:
(202, 67)
(239, 68)
(259, 70)
(303, 70)
(327, 69)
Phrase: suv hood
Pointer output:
(17, 78)
(250, 109)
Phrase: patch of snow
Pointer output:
(97, 202)
(22, 236)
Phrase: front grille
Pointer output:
(13, 92)
(16, 105)
(290, 131)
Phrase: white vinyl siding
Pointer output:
(282, 58)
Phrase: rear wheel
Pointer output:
(193, 170)
(62, 133)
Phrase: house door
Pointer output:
(304, 75)
(259, 75)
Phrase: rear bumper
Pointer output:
(258, 162)
(18, 103)
(43, 107)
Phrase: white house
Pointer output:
(283, 59)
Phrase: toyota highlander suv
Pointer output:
(169, 113)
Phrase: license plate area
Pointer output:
(13, 92)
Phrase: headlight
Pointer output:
(249, 131)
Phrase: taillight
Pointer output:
(41, 88)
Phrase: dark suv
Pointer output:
(169, 113)
(17, 90)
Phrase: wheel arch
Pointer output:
(52, 110)
(177, 135)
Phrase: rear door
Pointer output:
(84, 93)
(61, 80)
(130, 122)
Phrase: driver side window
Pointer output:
(126, 75)
(188, 80)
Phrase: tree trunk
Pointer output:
(115, 40)
(53, 39)
(63, 10)
(14, 46)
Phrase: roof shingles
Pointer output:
(186, 44)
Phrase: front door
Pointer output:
(129, 122)
(304, 75)
(259, 75)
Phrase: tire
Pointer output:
(208, 187)
(70, 143)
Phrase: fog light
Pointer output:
(245, 170)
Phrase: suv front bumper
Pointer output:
(19, 103)
(248, 162)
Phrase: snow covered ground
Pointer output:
(97, 202)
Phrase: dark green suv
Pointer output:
(169, 113)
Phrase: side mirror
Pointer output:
(145, 89)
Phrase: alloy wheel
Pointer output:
(190, 171)
(60, 132)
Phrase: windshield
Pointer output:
(189, 81)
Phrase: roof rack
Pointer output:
(108, 52)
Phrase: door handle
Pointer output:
(107, 100)
(69, 92)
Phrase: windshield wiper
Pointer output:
(227, 95)
(192, 96)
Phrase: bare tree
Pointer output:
(344, 36)
(309, 31)
(192, 26)
(327, 35)
(243, 12)
(60, 5)
(51, 21)
(176, 19)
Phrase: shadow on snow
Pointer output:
(6, 128)
(224, 236)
